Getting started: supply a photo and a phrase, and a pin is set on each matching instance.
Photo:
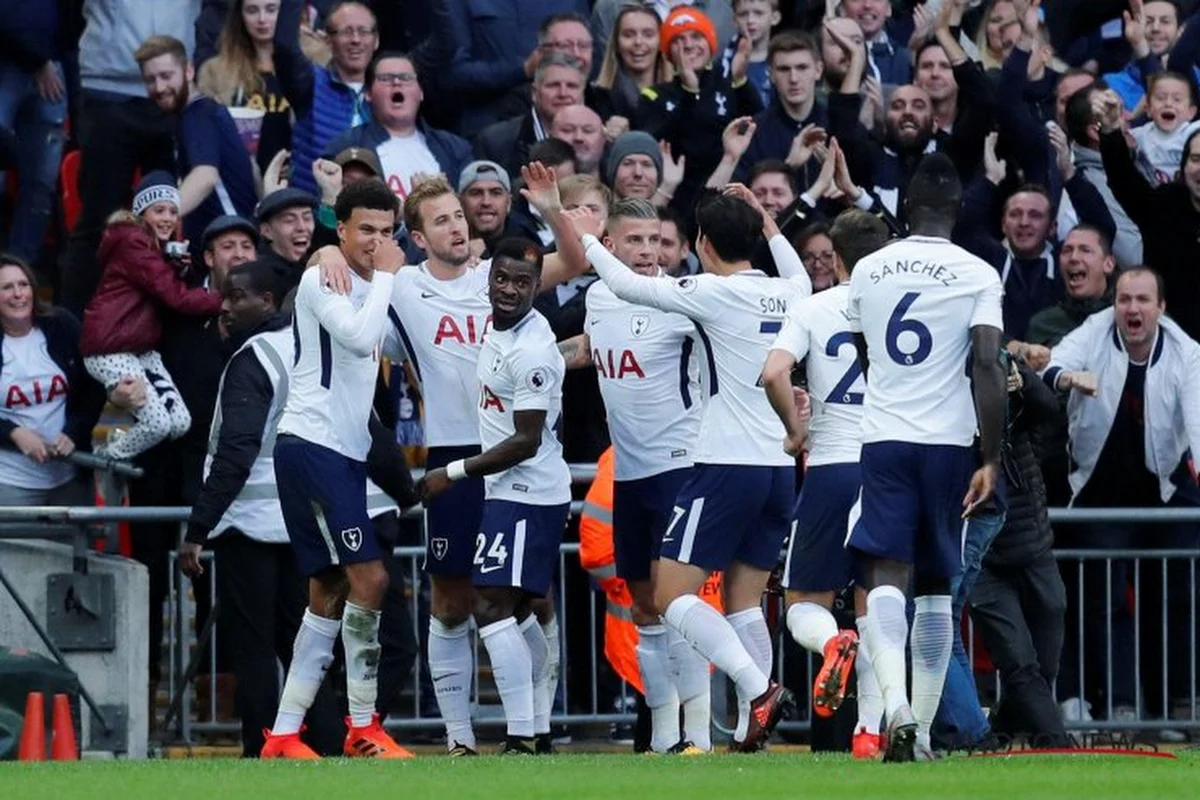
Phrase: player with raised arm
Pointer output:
(520, 374)
(818, 564)
(320, 471)
(732, 512)
(649, 379)
(928, 318)
(440, 309)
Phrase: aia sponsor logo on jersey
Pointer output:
(611, 364)
(36, 393)
(489, 399)
(468, 331)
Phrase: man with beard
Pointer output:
(405, 145)
(216, 174)
(908, 132)
(286, 224)
(581, 128)
(325, 100)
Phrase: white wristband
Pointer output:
(457, 470)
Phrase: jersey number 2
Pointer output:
(897, 325)
(841, 393)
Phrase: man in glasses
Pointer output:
(325, 100)
(406, 146)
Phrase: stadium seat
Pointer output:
(72, 205)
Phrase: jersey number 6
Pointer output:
(897, 325)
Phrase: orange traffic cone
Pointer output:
(33, 731)
(64, 747)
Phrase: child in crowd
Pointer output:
(141, 262)
(1160, 141)
(755, 19)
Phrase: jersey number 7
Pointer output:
(897, 325)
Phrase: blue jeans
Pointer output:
(35, 127)
(960, 721)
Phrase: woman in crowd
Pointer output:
(816, 251)
(122, 325)
(998, 34)
(50, 403)
(632, 62)
(242, 77)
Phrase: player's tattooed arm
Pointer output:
(576, 351)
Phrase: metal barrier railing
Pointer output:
(79, 524)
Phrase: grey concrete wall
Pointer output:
(118, 677)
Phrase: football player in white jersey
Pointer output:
(732, 512)
(649, 380)
(440, 310)
(528, 485)
(929, 320)
(818, 564)
(320, 471)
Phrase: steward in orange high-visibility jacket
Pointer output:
(597, 557)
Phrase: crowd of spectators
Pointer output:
(213, 132)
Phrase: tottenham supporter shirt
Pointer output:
(338, 342)
(817, 331)
(915, 301)
(520, 369)
(442, 326)
(646, 363)
(35, 397)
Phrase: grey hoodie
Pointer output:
(114, 29)
(1127, 246)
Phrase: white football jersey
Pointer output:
(649, 380)
(442, 325)
(737, 318)
(817, 329)
(915, 301)
(521, 369)
(336, 363)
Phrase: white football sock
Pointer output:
(811, 625)
(888, 631)
(312, 653)
(553, 662)
(692, 676)
(751, 627)
(870, 699)
(653, 656)
(360, 638)
(451, 667)
(715, 638)
(932, 642)
(512, 668)
(539, 660)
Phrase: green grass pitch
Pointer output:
(568, 777)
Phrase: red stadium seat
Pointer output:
(72, 205)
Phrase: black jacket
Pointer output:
(1026, 533)
(245, 402)
(85, 397)
(693, 122)
(507, 142)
